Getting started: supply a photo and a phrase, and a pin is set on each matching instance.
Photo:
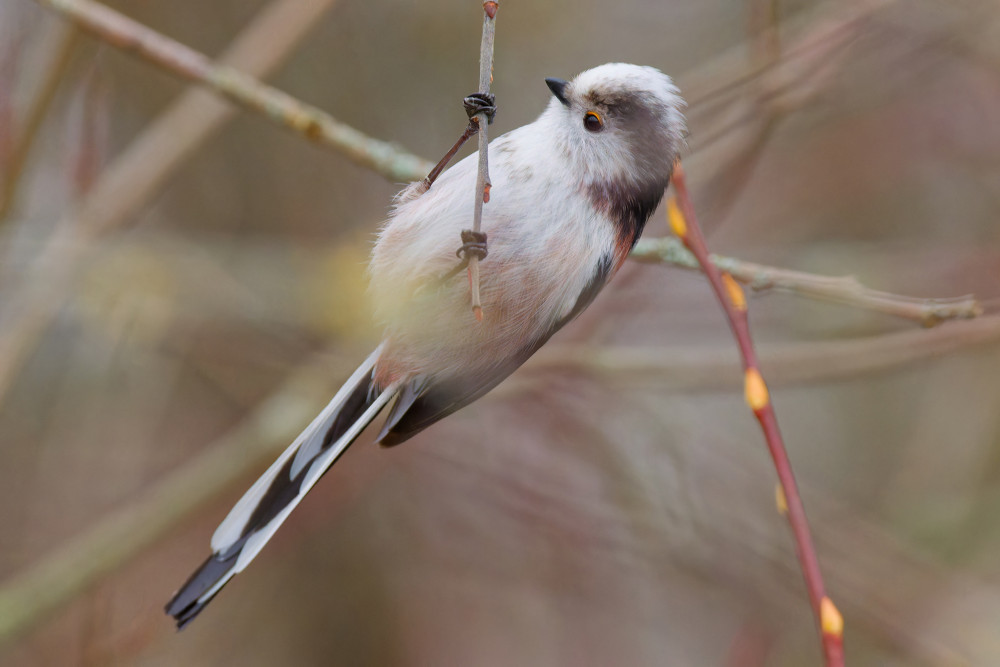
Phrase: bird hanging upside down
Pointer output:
(571, 193)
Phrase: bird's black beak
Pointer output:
(558, 88)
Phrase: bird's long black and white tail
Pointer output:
(259, 513)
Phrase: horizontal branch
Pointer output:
(689, 369)
(315, 124)
(844, 290)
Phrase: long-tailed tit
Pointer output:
(571, 194)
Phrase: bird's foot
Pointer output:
(478, 103)
(473, 245)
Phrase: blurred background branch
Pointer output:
(63, 42)
(150, 320)
(133, 178)
(121, 535)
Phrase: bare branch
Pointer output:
(846, 290)
(241, 88)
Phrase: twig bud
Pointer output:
(735, 292)
(677, 223)
(755, 390)
(780, 500)
(830, 619)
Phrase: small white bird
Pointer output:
(570, 196)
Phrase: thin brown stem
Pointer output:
(65, 42)
(470, 130)
(685, 224)
(762, 29)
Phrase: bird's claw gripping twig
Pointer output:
(478, 103)
(473, 244)
(474, 104)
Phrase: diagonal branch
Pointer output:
(48, 584)
(311, 122)
(685, 224)
(64, 43)
(135, 176)
(31, 595)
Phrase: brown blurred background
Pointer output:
(579, 515)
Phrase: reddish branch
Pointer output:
(685, 224)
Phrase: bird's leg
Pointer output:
(473, 242)
(481, 103)
(470, 131)
(474, 104)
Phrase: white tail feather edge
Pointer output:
(231, 528)
(257, 541)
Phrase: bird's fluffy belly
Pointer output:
(430, 324)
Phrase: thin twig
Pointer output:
(762, 32)
(312, 122)
(846, 290)
(64, 44)
(685, 224)
(483, 176)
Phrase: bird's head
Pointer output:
(618, 123)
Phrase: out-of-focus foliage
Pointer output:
(569, 518)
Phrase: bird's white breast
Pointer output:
(545, 243)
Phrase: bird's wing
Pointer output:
(423, 401)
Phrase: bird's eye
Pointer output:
(592, 121)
